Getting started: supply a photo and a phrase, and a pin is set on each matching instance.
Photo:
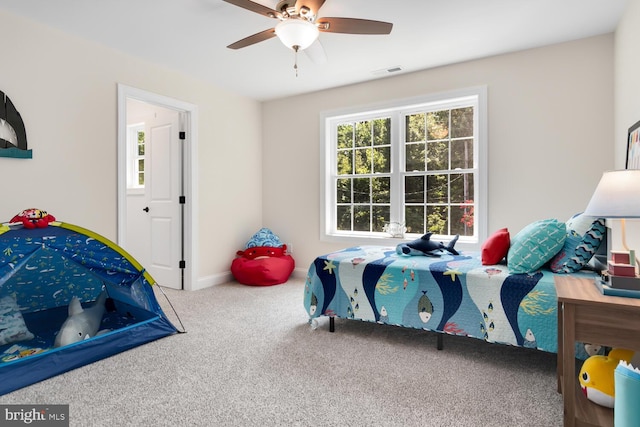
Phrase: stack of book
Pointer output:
(620, 279)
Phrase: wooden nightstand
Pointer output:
(585, 315)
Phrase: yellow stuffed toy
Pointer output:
(596, 376)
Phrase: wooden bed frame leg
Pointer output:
(439, 345)
(332, 324)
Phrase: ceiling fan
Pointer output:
(300, 25)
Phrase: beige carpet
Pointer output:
(250, 358)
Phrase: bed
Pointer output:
(450, 294)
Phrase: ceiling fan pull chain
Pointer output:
(295, 61)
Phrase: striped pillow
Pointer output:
(585, 234)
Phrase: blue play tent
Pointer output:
(41, 270)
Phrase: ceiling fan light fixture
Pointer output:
(297, 32)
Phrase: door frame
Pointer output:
(190, 173)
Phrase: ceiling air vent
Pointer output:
(386, 71)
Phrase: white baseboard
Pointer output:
(218, 279)
(213, 280)
(299, 273)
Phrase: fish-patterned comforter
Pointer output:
(451, 294)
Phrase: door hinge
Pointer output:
(182, 135)
(182, 264)
(182, 200)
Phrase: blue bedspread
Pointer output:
(451, 294)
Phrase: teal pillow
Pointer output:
(535, 245)
(584, 236)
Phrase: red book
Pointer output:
(627, 270)
(620, 257)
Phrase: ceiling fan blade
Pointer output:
(316, 53)
(255, 7)
(256, 38)
(353, 26)
(312, 5)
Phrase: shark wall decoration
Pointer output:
(13, 136)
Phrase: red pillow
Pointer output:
(495, 248)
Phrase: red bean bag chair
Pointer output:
(264, 262)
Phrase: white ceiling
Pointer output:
(191, 36)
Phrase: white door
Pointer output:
(154, 232)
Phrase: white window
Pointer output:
(418, 162)
(136, 144)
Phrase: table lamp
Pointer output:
(617, 196)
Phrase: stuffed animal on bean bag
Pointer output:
(597, 376)
(32, 218)
(425, 246)
(264, 261)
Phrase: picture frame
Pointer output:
(633, 147)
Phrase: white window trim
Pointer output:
(329, 118)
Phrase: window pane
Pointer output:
(437, 189)
(140, 149)
(462, 220)
(438, 125)
(414, 219)
(361, 190)
(461, 187)
(415, 127)
(382, 160)
(462, 122)
(141, 178)
(462, 154)
(363, 160)
(140, 137)
(343, 190)
(433, 169)
(380, 216)
(141, 165)
(381, 190)
(382, 131)
(345, 162)
(345, 136)
(363, 134)
(343, 218)
(361, 218)
(414, 189)
(438, 219)
(414, 157)
(437, 156)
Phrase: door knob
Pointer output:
(146, 209)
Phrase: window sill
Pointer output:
(463, 244)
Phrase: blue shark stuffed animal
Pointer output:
(425, 246)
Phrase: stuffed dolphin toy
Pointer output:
(81, 323)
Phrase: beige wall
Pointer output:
(66, 88)
(627, 78)
(550, 136)
(627, 101)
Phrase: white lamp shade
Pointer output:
(297, 32)
(617, 195)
